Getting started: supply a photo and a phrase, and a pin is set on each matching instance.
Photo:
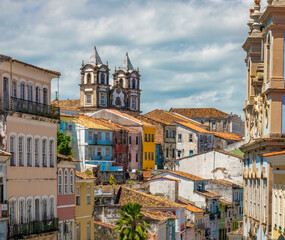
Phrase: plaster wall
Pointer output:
(167, 189)
(213, 165)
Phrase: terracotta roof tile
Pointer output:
(107, 188)
(167, 178)
(68, 105)
(223, 182)
(104, 225)
(93, 123)
(129, 117)
(199, 112)
(146, 200)
(187, 175)
(193, 127)
(61, 157)
(273, 154)
(157, 215)
(84, 175)
(170, 118)
(208, 194)
(194, 209)
(228, 136)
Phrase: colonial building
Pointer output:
(97, 93)
(264, 114)
(28, 130)
(214, 119)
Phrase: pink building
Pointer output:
(135, 149)
(66, 167)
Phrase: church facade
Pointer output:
(96, 92)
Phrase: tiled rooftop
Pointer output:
(61, 157)
(222, 182)
(228, 136)
(194, 209)
(200, 112)
(146, 200)
(208, 194)
(166, 178)
(273, 154)
(84, 175)
(69, 105)
(187, 175)
(157, 215)
(193, 127)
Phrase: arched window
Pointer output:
(71, 182)
(65, 182)
(21, 212)
(51, 153)
(44, 155)
(38, 94)
(29, 211)
(22, 90)
(88, 78)
(12, 150)
(21, 151)
(37, 160)
(45, 96)
(45, 209)
(37, 209)
(134, 84)
(59, 181)
(30, 92)
(29, 152)
(51, 208)
(14, 88)
(12, 205)
(121, 82)
(102, 78)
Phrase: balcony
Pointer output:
(101, 142)
(36, 227)
(29, 107)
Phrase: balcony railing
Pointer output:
(30, 107)
(36, 227)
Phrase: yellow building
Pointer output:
(277, 160)
(148, 147)
(84, 200)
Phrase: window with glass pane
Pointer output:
(37, 94)
(30, 92)
(20, 148)
(90, 135)
(51, 208)
(77, 231)
(71, 182)
(77, 195)
(14, 88)
(99, 135)
(88, 195)
(59, 182)
(29, 152)
(103, 99)
(29, 211)
(22, 90)
(107, 151)
(44, 209)
(134, 103)
(88, 231)
(45, 96)
(51, 153)
(21, 212)
(88, 98)
(37, 209)
(190, 137)
(37, 161)
(12, 147)
(44, 155)
(65, 182)
(12, 212)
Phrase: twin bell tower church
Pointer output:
(96, 92)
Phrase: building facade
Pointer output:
(264, 114)
(29, 127)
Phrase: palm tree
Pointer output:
(130, 225)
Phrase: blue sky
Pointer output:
(188, 52)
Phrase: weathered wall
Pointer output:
(213, 165)
(165, 188)
(102, 232)
(107, 214)
(224, 191)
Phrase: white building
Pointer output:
(216, 164)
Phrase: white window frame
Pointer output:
(37, 151)
(29, 215)
(21, 152)
(60, 185)
(65, 180)
(44, 152)
(29, 151)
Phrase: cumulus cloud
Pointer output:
(188, 51)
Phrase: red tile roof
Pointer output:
(157, 215)
(187, 175)
(84, 175)
(69, 105)
(208, 194)
(200, 112)
(273, 154)
(104, 225)
(228, 136)
(194, 209)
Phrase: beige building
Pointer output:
(28, 131)
(264, 114)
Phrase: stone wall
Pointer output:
(104, 232)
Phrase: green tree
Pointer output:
(112, 180)
(63, 144)
(130, 225)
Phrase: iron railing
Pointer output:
(19, 230)
(30, 107)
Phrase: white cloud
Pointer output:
(189, 52)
